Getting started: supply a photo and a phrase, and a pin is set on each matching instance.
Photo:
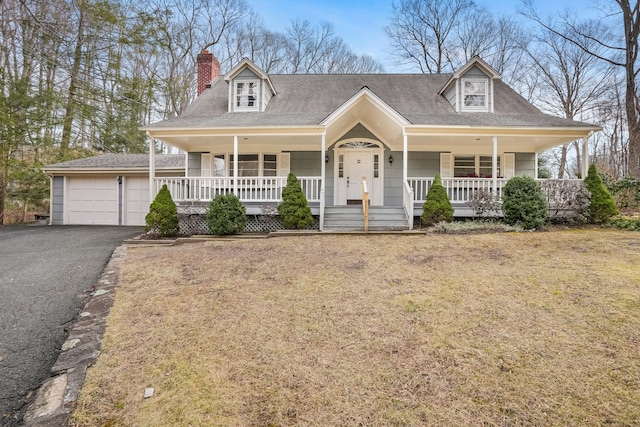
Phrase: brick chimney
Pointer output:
(208, 69)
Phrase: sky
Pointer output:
(360, 22)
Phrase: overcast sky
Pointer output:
(360, 22)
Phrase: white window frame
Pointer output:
(229, 163)
(485, 83)
(236, 94)
(476, 169)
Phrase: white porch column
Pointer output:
(323, 174)
(585, 157)
(322, 162)
(494, 166)
(152, 167)
(235, 165)
(405, 157)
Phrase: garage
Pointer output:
(109, 189)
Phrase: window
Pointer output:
(246, 96)
(341, 166)
(218, 165)
(474, 166)
(474, 94)
(376, 166)
(250, 164)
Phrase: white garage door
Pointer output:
(93, 201)
(137, 200)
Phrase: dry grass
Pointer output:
(495, 329)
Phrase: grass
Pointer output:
(493, 329)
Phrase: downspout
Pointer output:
(50, 199)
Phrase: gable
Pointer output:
(359, 131)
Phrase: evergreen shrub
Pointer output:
(524, 203)
(294, 211)
(162, 218)
(602, 206)
(226, 215)
(437, 206)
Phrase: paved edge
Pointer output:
(56, 399)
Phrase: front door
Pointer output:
(358, 165)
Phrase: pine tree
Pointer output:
(294, 211)
(602, 206)
(437, 206)
(162, 218)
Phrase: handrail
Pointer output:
(408, 202)
(365, 203)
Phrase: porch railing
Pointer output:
(460, 190)
(365, 203)
(408, 195)
(249, 189)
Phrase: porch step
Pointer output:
(350, 218)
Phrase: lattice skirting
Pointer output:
(195, 223)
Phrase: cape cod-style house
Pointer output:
(348, 138)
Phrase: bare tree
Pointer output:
(571, 83)
(421, 32)
(618, 47)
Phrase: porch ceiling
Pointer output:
(249, 140)
(480, 140)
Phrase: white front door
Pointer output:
(357, 166)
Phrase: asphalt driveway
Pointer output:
(45, 273)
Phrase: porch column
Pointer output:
(405, 155)
(322, 163)
(323, 175)
(494, 166)
(235, 165)
(585, 157)
(152, 167)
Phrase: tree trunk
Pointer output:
(631, 18)
(70, 109)
(563, 162)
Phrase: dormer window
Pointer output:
(474, 94)
(246, 95)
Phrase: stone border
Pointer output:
(57, 397)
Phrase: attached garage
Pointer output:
(92, 200)
(110, 189)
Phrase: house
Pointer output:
(381, 137)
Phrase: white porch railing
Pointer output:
(250, 189)
(460, 190)
(408, 195)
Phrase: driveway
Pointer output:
(45, 273)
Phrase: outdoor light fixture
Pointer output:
(390, 160)
(326, 159)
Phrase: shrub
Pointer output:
(568, 201)
(483, 203)
(226, 215)
(294, 211)
(626, 223)
(602, 206)
(162, 218)
(523, 203)
(437, 206)
(474, 227)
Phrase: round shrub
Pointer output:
(437, 206)
(226, 215)
(162, 218)
(602, 206)
(524, 203)
(294, 211)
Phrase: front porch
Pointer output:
(260, 194)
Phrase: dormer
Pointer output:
(470, 89)
(250, 89)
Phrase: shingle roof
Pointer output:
(305, 100)
(122, 161)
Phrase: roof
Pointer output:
(122, 162)
(306, 100)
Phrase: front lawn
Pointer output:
(492, 329)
